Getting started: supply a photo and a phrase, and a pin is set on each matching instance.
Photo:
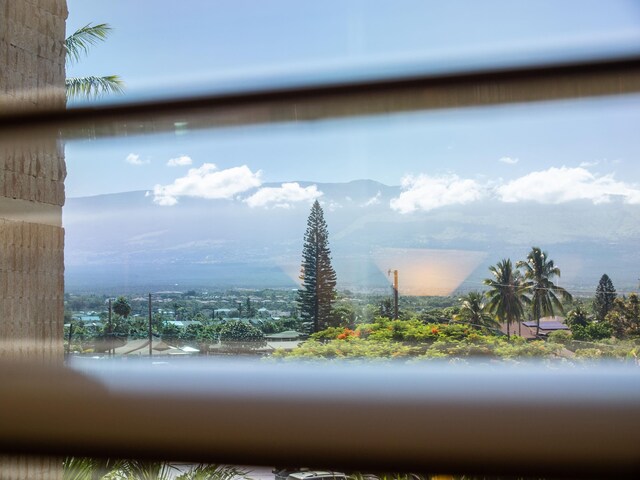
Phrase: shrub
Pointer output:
(560, 336)
(592, 331)
(241, 336)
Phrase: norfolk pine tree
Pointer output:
(318, 290)
(605, 296)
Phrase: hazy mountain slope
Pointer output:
(126, 240)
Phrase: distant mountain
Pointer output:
(127, 241)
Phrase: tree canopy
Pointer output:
(538, 272)
(121, 307)
(318, 291)
(473, 310)
(506, 294)
(605, 297)
(77, 45)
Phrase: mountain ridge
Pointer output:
(127, 239)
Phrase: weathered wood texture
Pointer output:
(32, 173)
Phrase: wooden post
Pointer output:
(395, 294)
(150, 333)
(110, 336)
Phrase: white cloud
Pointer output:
(207, 182)
(375, 200)
(426, 193)
(181, 161)
(283, 196)
(559, 185)
(134, 159)
(509, 160)
(589, 164)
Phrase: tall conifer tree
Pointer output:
(605, 295)
(318, 290)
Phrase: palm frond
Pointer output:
(213, 472)
(78, 468)
(93, 87)
(78, 43)
(143, 470)
(83, 468)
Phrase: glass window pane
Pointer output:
(204, 47)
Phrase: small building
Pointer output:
(528, 329)
(547, 325)
(284, 340)
(283, 336)
(87, 318)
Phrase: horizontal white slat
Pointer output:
(430, 418)
(310, 102)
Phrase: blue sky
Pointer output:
(158, 45)
(209, 46)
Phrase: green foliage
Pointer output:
(240, 336)
(330, 333)
(213, 472)
(92, 86)
(192, 332)
(355, 348)
(584, 328)
(170, 331)
(237, 330)
(386, 339)
(506, 295)
(437, 315)
(76, 45)
(624, 317)
(473, 310)
(560, 336)
(578, 317)
(609, 352)
(545, 296)
(592, 331)
(524, 349)
(80, 468)
(281, 325)
(121, 307)
(343, 316)
(318, 291)
(605, 297)
(386, 308)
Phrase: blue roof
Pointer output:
(551, 325)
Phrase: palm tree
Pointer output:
(80, 468)
(473, 311)
(76, 45)
(506, 294)
(538, 272)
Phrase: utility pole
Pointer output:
(395, 292)
(150, 334)
(110, 329)
(70, 335)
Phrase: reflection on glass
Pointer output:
(506, 232)
(231, 46)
